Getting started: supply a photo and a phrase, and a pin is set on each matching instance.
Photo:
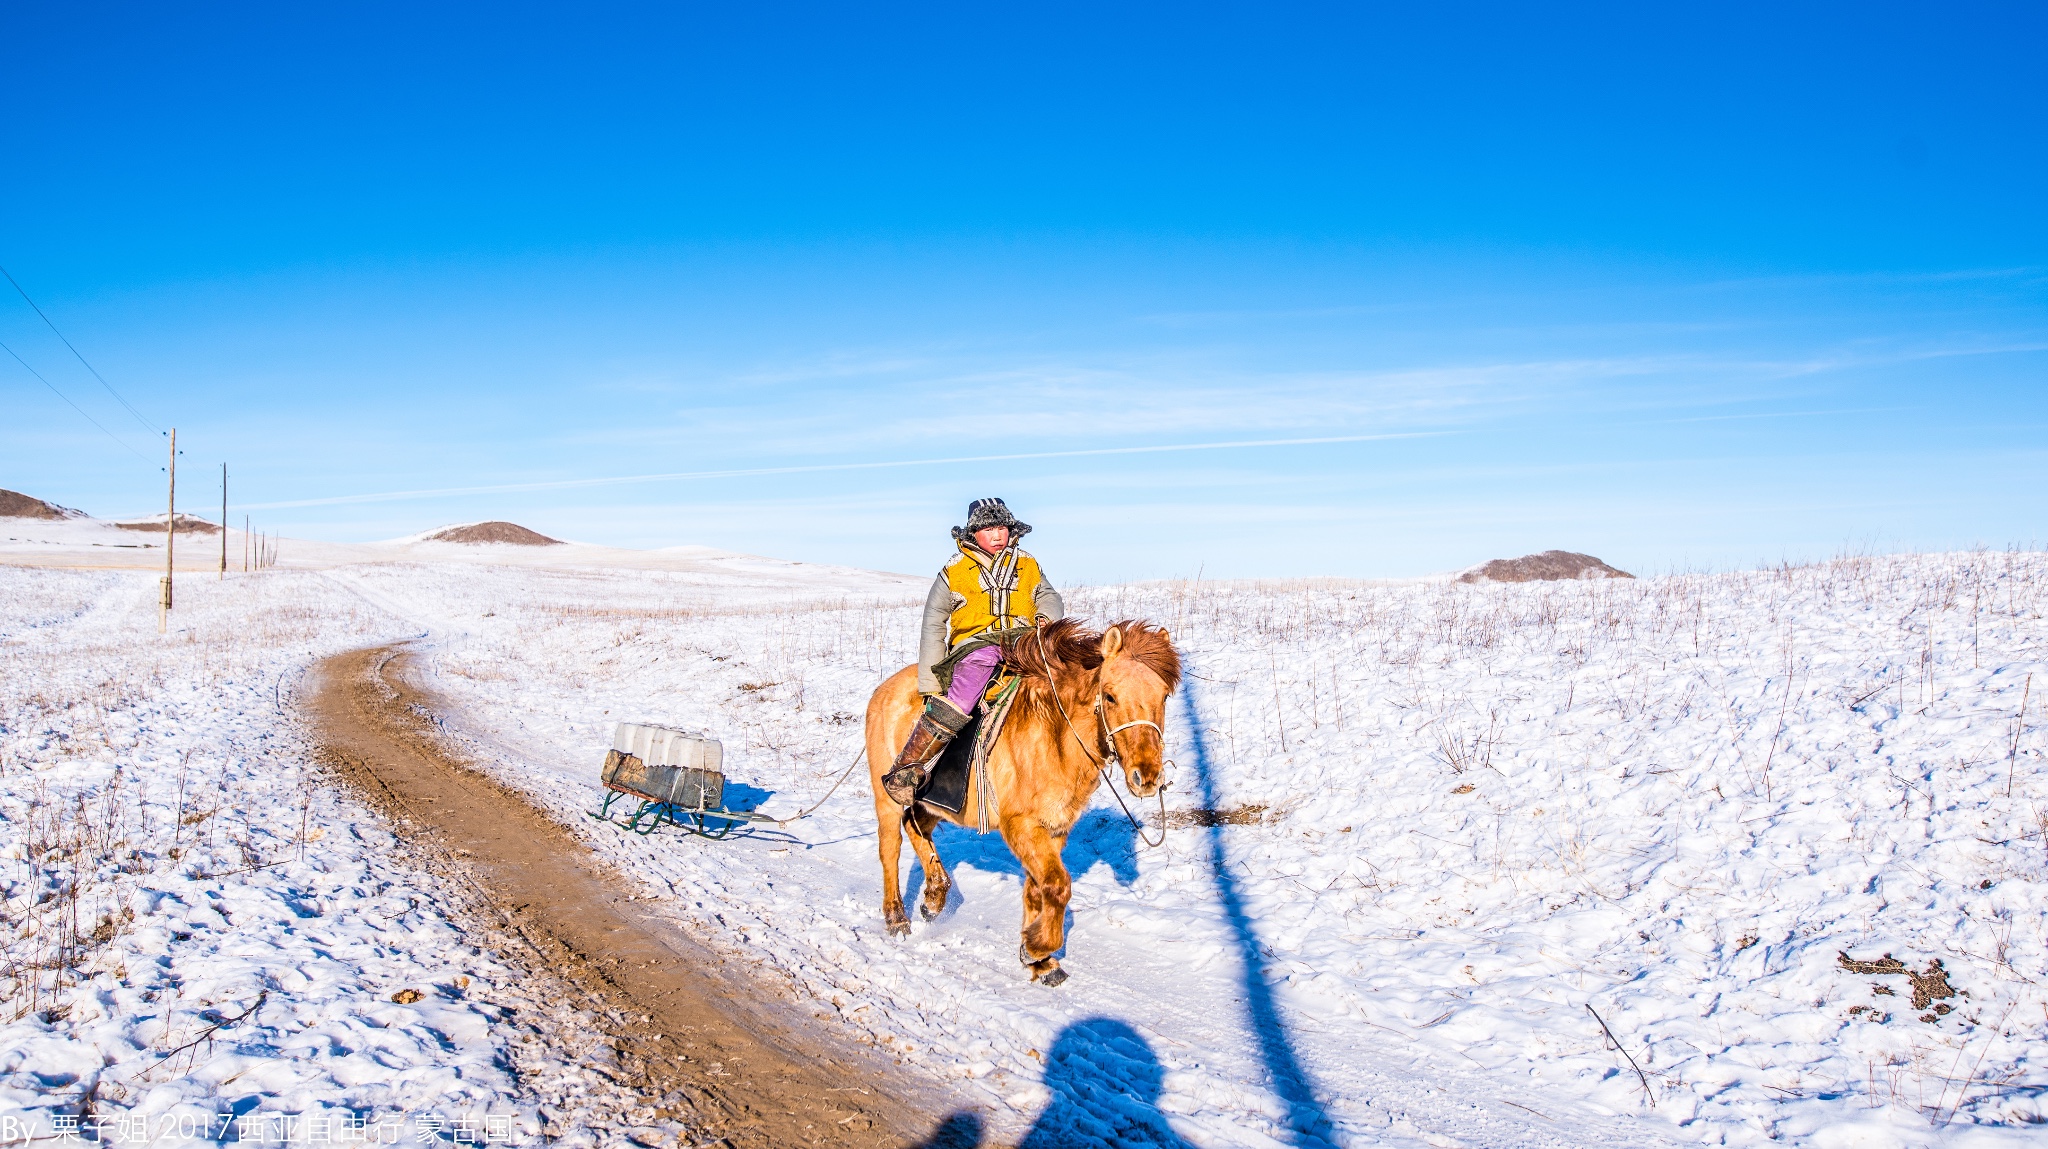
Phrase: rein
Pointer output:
(1108, 754)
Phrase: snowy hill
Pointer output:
(15, 505)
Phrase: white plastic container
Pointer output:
(667, 746)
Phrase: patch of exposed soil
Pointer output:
(1885, 964)
(493, 532)
(15, 505)
(1250, 815)
(187, 525)
(1546, 567)
(1929, 985)
(698, 1038)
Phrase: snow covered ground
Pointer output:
(199, 945)
(1464, 821)
(1488, 808)
(90, 542)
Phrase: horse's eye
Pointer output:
(1109, 698)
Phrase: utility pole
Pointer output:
(245, 544)
(163, 606)
(223, 522)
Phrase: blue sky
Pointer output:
(1681, 288)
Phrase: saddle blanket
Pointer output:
(967, 754)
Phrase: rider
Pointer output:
(989, 588)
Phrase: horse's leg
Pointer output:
(937, 884)
(892, 709)
(1046, 891)
(889, 825)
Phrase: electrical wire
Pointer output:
(74, 406)
(81, 358)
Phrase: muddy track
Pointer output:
(690, 1027)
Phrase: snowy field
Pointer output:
(1461, 822)
(200, 944)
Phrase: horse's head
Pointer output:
(1139, 670)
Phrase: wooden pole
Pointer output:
(223, 522)
(245, 544)
(163, 606)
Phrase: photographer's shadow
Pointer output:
(1105, 1083)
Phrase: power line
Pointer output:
(74, 406)
(81, 358)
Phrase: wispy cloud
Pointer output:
(674, 476)
(1172, 395)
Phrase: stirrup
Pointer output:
(903, 783)
(907, 774)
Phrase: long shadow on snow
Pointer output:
(1104, 1077)
(1101, 837)
(1306, 1119)
(1105, 1082)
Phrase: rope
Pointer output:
(1135, 824)
(984, 744)
(843, 775)
(1092, 757)
(1099, 760)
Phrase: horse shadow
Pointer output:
(1105, 1083)
(1099, 838)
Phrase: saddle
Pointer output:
(967, 754)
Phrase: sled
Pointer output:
(670, 777)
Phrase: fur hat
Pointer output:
(983, 513)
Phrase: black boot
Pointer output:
(935, 728)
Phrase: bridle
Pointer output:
(1108, 752)
(1109, 733)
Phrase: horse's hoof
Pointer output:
(899, 927)
(1054, 977)
(929, 914)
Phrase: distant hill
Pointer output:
(1548, 566)
(491, 532)
(15, 505)
(187, 525)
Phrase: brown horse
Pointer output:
(1085, 699)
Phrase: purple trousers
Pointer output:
(971, 675)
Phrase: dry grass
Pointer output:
(93, 805)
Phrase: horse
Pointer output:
(1085, 699)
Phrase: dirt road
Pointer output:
(696, 1035)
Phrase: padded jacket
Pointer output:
(963, 605)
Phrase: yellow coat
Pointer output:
(975, 594)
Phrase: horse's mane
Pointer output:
(1068, 644)
(1055, 646)
(1153, 648)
